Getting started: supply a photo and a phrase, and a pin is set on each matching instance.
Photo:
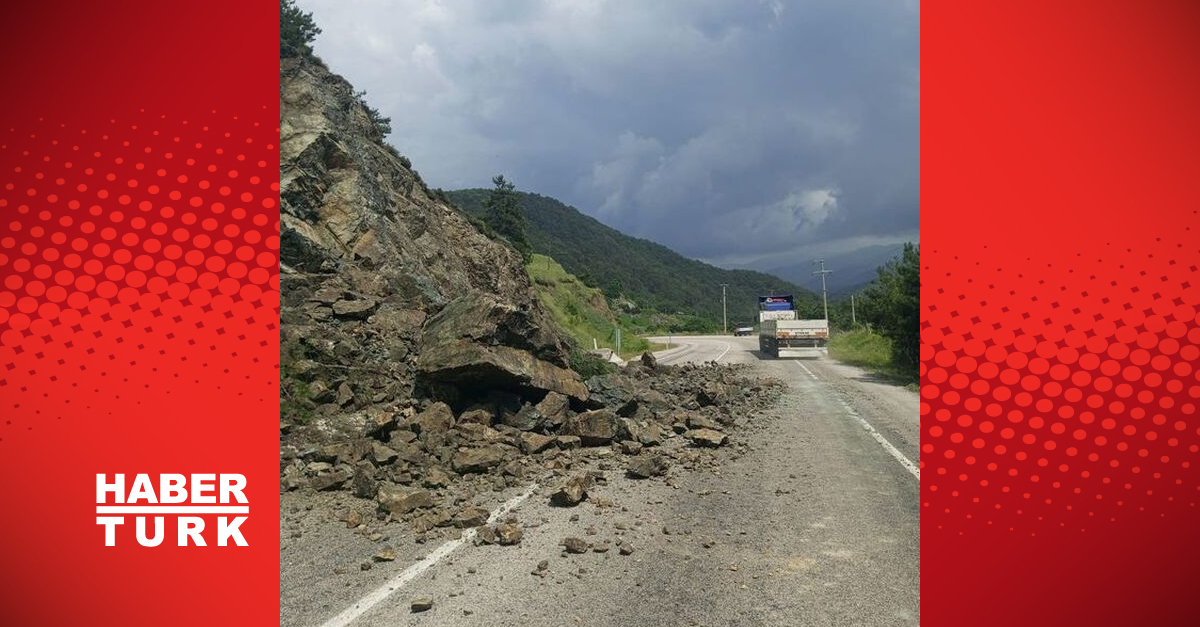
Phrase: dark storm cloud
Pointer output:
(740, 132)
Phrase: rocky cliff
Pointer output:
(390, 296)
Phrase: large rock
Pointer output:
(713, 393)
(335, 478)
(508, 534)
(477, 460)
(555, 408)
(478, 342)
(398, 500)
(535, 442)
(706, 437)
(613, 391)
(572, 492)
(470, 517)
(594, 428)
(437, 418)
(527, 418)
(646, 434)
(355, 309)
(646, 466)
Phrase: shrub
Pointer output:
(587, 364)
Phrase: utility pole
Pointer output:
(824, 292)
(724, 315)
(853, 318)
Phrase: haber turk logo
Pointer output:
(199, 504)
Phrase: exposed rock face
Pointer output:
(390, 293)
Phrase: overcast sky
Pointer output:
(735, 131)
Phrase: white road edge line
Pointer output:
(406, 576)
(727, 347)
(912, 468)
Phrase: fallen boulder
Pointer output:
(397, 500)
(646, 466)
(594, 428)
(555, 408)
(572, 492)
(477, 460)
(706, 437)
(481, 342)
(437, 418)
(508, 534)
(613, 391)
(470, 517)
(355, 309)
(535, 442)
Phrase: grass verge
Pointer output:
(580, 310)
(872, 351)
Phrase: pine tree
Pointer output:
(503, 215)
(296, 30)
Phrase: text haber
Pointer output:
(188, 498)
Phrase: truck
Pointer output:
(781, 334)
(794, 338)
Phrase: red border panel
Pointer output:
(139, 294)
(1060, 290)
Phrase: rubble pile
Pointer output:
(423, 461)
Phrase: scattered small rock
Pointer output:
(386, 554)
(574, 545)
(646, 466)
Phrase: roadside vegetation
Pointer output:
(871, 350)
(887, 336)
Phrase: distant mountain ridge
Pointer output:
(852, 271)
(651, 274)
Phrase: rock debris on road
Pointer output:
(804, 521)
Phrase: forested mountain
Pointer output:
(656, 278)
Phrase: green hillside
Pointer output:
(671, 292)
(580, 310)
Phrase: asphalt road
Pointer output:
(813, 522)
